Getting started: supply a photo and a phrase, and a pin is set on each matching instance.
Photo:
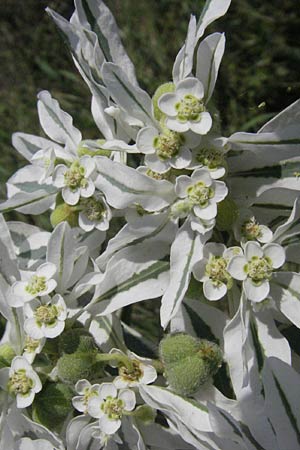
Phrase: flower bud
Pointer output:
(163, 89)
(7, 354)
(227, 214)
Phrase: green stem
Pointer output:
(123, 359)
(158, 365)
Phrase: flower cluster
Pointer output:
(160, 206)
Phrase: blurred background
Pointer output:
(259, 74)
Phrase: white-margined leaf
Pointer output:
(269, 208)
(158, 437)
(131, 98)
(124, 186)
(291, 228)
(185, 251)
(34, 203)
(213, 9)
(209, 57)
(285, 290)
(107, 332)
(183, 64)
(27, 144)
(282, 402)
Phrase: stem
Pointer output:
(158, 365)
(123, 359)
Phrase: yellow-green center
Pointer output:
(251, 229)
(189, 108)
(19, 383)
(36, 285)
(31, 344)
(46, 314)
(259, 269)
(199, 194)
(74, 176)
(94, 209)
(134, 374)
(216, 270)
(210, 158)
(113, 407)
(167, 145)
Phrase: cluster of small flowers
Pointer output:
(193, 218)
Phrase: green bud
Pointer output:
(52, 405)
(175, 347)
(163, 89)
(145, 414)
(227, 214)
(64, 212)
(186, 376)
(82, 150)
(7, 354)
(75, 366)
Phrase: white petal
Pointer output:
(46, 270)
(128, 398)
(85, 223)
(213, 248)
(265, 234)
(78, 403)
(190, 86)
(217, 173)
(106, 390)
(254, 292)
(253, 249)
(182, 160)
(33, 329)
(232, 251)
(89, 165)
(82, 385)
(50, 286)
(199, 270)
(149, 374)
(203, 125)
(156, 164)
(59, 302)
(58, 176)
(145, 138)
(71, 197)
(25, 400)
(221, 191)
(120, 383)
(236, 267)
(202, 175)
(37, 385)
(109, 426)
(276, 253)
(174, 125)
(183, 182)
(54, 330)
(213, 292)
(167, 102)
(18, 289)
(19, 362)
(88, 190)
(207, 213)
(94, 407)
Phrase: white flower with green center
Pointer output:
(32, 347)
(140, 372)
(212, 270)
(76, 181)
(45, 318)
(94, 213)
(166, 149)
(247, 228)
(86, 391)
(109, 406)
(21, 381)
(256, 267)
(36, 284)
(184, 108)
(202, 192)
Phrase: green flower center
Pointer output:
(157, 175)
(199, 194)
(251, 229)
(259, 269)
(131, 375)
(189, 108)
(94, 209)
(74, 177)
(19, 383)
(167, 145)
(113, 407)
(31, 344)
(210, 158)
(216, 270)
(46, 314)
(36, 285)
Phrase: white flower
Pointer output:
(184, 107)
(166, 149)
(248, 229)
(142, 371)
(45, 318)
(202, 192)
(76, 180)
(256, 267)
(212, 270)
(36, 444)
(109, 406)
(22, 381)
(86, 391)
(32, 347)
(211, 156)
(36, 284)
(95, 213)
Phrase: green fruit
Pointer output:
(75, 366)
(175, 347)
(163, 89)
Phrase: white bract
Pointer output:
(256, 267)
(45, 318)
(76, 180)
(94, 213)
(109, 406)
(23, 382)
(202, 192)
(38, 283)
(212, 269)
(184, 108)
(248, 228)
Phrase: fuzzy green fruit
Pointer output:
(175, 347)
(75, 366)
(163, 89)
